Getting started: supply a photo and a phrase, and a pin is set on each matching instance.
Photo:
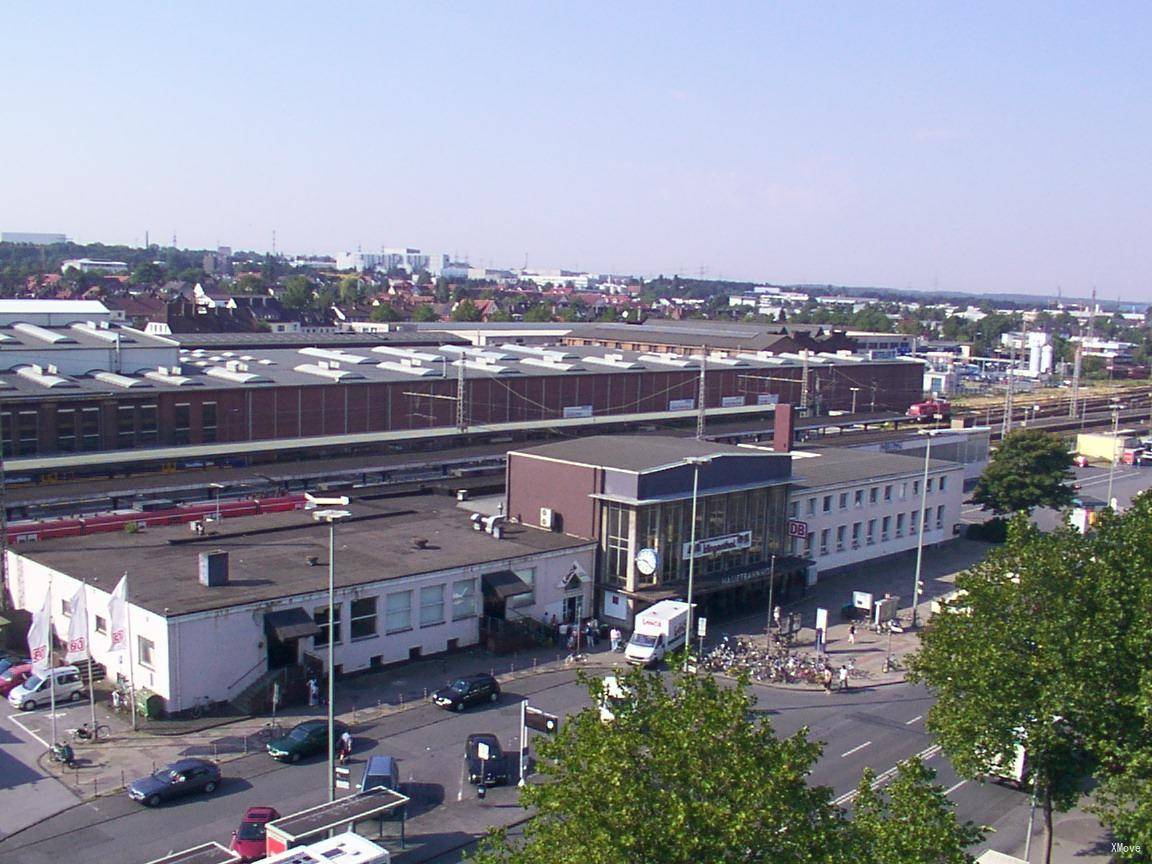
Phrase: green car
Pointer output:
(306, 738)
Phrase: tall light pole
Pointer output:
(1115, 434)
(854, 390)
(331, 517)
(695, 462)
(218, 487)
(923, 519)
(771, 592)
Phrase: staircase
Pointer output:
(256, 698)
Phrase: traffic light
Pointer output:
(536, 719)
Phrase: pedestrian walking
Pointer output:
(614, 638)
(313, 692)
(827, 675)
(843, 674)
(572, 638)
(345, 746)
(851, 634)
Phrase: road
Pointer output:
(864, 727)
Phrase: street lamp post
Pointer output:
(854, 390)
(923, 519)
(218, 487)
(695, 462)
(1115, 433)
(771, 590)
(331, 517)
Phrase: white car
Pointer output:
(34, 692)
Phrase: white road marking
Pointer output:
(914, 719)
(463, 778)
(14, 719)
(855, 749)
(954, 787)
(885, 776)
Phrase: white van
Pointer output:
(659, 631)
(34, 692)
(612, 696)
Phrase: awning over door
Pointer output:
(505, 584)
(290, 624)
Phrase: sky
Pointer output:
(999, 147)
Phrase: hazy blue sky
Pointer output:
(970, 146)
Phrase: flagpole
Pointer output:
(88, 648)
(51, 666)
(131, 665)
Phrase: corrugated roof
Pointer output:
(637, 453)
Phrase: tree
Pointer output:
(911, 821)
(351, 290)
(1005, 665)
(148, 273)
(689, 771)
(541, 312)
(384, 312)
(297, 292)
(424, 312)
(1029, 469)
(442, 290)
(466, 311)
(684, 774)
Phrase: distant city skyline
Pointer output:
(984, 149)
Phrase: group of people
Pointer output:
(840, 677)
(576, 636)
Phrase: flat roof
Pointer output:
(219, 368)
(636, 453)
(268, 554)
(816, 469)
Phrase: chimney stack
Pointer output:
(784, 428)
(214, 568)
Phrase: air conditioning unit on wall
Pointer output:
(546, 517)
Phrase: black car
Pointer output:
(494, 769)
(306, 738)
(467, 691)
(176, 780)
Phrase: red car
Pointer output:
(12, 677)
(248, 840)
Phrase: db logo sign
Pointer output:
(797, 528)
(76, 645)
(117, 638)
(39, 653)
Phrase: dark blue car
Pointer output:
(175, 781)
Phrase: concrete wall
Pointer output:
(533, 483)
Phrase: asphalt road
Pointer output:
(863, 727)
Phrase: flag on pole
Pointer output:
(40, 637)
(78, 628)
(118, 616)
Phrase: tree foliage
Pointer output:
(911, 820)
(424, 312)
(689, 772)
(1010, 663)
(297, 292)
(466, 311)
(1030, 468)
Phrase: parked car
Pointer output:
(35, 691)
(381, 771)
(467, 691)
(8, 659)
(248, 841)
(13, 677)
(306, 738)
(175, 781)
(492, 771)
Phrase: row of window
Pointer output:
(865, 533)
(873, 496)
(81, 429)
(364, 617)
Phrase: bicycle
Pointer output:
(85, 734)
(271, 729)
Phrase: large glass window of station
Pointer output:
(666, 527)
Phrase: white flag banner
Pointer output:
(40, 638)
(118, 616)
(78, 628)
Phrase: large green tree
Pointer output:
(910, 820)
(1004, 662)
(466, 311)
(681, 776)
(1029, 469)
(424, 313)
(689, 772)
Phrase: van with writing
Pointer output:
(660, 630)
